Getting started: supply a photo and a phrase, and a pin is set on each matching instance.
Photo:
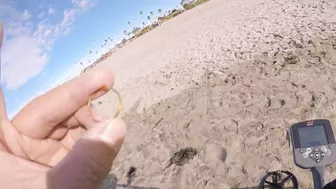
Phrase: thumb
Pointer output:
(90, 159)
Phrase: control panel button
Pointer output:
(317, 155)
(328, 152)
(324, 149)
(301, 150)
(316, 149)
(311, 155)
(318, 161)
(305, 155)
(323, 154)
(309, 150)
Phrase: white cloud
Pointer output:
(69, 17)
(51, 11)
(27, 44)
(41, 15)
(47, 33)
(84, 4)
(16, 29)
(22, 60)
(26, 15)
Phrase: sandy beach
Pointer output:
(227, 78)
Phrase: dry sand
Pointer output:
(227, 78)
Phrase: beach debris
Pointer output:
(158, 122)
(244, 170)
(276, 52)
(288, 139)
(182, 157)
(313, 99)
(257, 126)
(269, 101)
(130, 175)
(291, 59)
(278, 36)
(294, 85)
(187, 124)
(131, 171)
(296, 44)
(282, 102)
(100, 102)
(206, 182)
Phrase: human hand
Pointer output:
(53, 142)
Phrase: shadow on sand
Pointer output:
(111, 182)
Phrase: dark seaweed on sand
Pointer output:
(182, 157)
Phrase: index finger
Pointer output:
(42, 114)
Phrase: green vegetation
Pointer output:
(171, 15)
(189, 6)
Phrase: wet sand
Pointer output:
(227, 78)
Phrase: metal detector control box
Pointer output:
(314, 147)
(313, 144)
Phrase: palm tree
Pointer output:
(81, 63)
(129, 23)
(160, 11)
(141, 13)
(136, 30)
(151, 15)
(107, 43)
(125, 33)
(94, 56)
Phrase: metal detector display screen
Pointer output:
(312, 136)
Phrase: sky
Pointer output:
(44, 39)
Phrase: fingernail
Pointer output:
(114, 133)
